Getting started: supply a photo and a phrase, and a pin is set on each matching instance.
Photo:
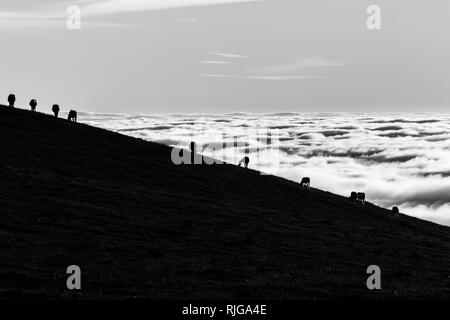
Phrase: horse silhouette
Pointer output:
(55, 110)
(361, 197)
(33, 104)
(306, 182)
(11, 100)
(245, 161)
(358, 196)
(72, 116)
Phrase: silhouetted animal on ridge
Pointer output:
(33, 104)
(245, 161)
(395, 210)
(55, 110)
(72, 116)
(358, 196)
(361, 197)
(306, 182)
(11, 100)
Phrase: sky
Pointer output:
(219, 56)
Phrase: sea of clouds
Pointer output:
(396, 159)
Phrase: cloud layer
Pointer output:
(401, 160)
(52, 14)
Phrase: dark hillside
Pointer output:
(139, 226)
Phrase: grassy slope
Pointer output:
(139, 226)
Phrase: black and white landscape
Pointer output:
(139, 226)
(397, 159)
(224, 149)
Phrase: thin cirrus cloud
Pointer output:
(228, 55)
(301, 63)
(117, 6)
(282, 72)
(55, 14)
(46, 17)
(49, 17)
(48, 21)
